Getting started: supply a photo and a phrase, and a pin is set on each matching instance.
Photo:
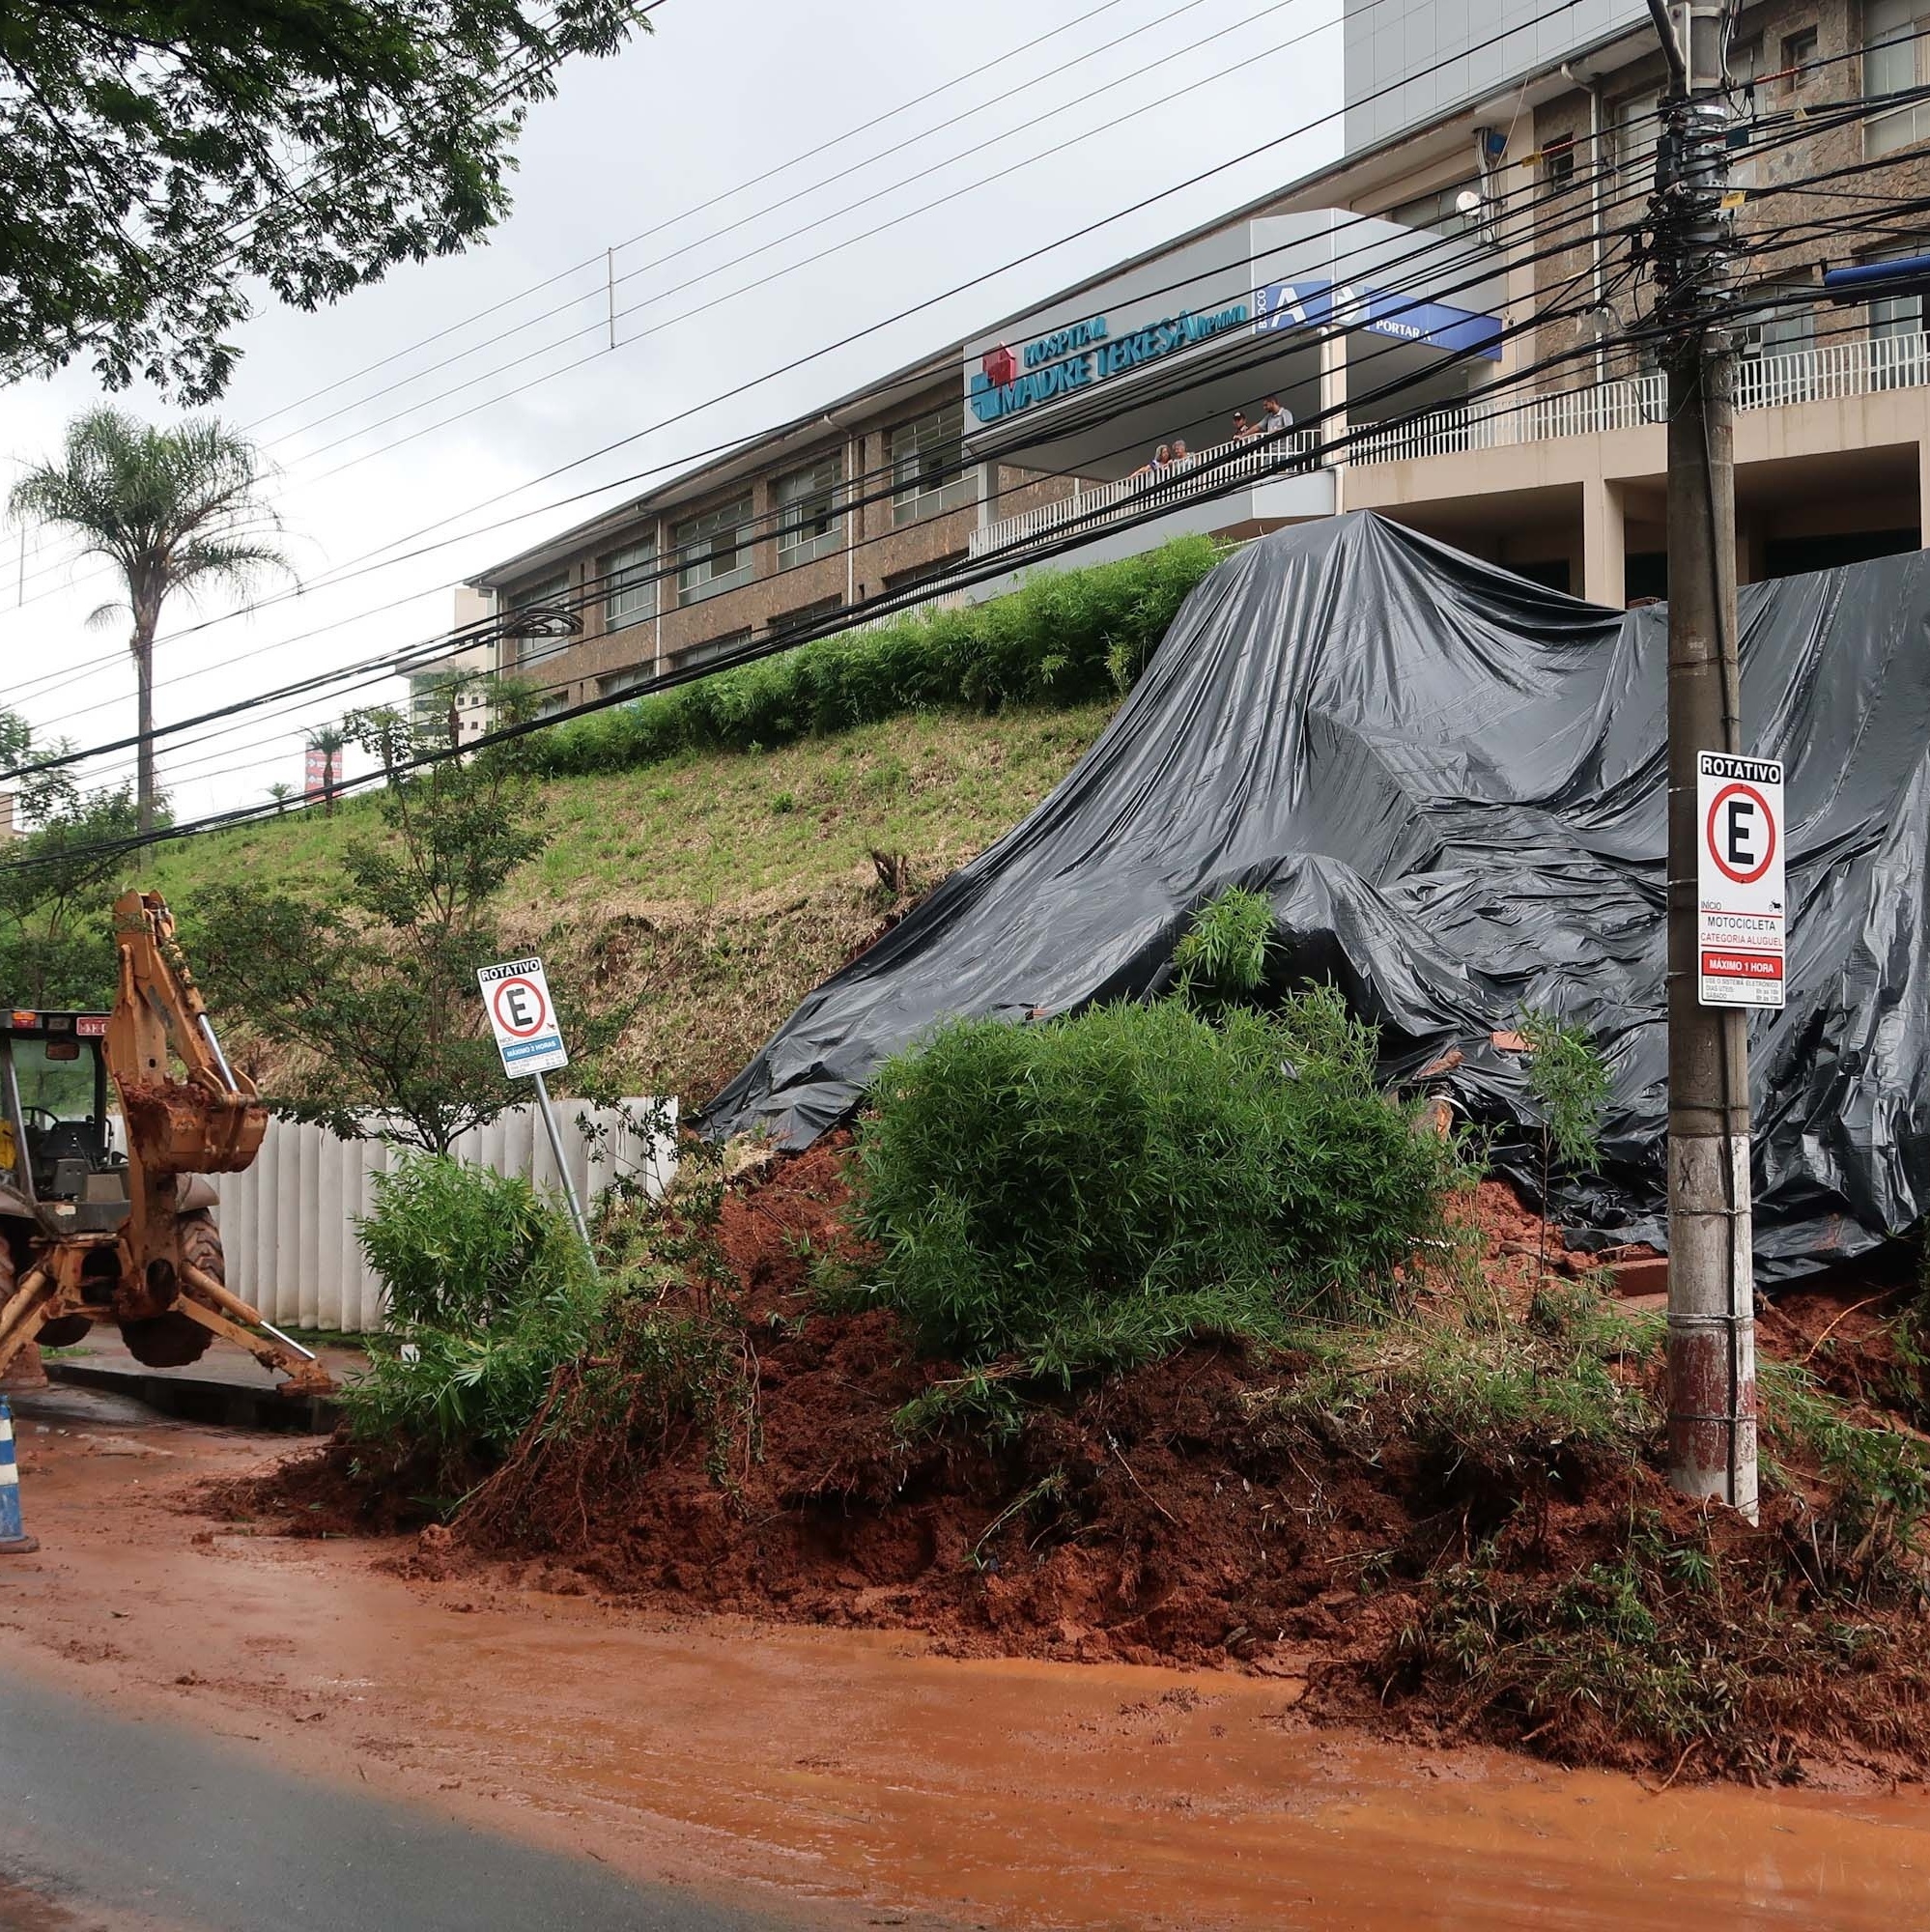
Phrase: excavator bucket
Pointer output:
(213, 1121)
(178, 1126)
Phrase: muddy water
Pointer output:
(857, 1768)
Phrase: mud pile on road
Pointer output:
(1451, 1526)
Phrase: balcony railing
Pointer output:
(1862, 366)
(1092, 511)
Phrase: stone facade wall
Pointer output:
(1782, 153)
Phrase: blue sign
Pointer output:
(1319, 304)
(1069, 358)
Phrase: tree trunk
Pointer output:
(143, 648)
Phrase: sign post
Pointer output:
(524, 1019)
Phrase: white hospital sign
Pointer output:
(522, 1016)
(1742, 915)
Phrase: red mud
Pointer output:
(1157, 1518)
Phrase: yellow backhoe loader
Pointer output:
(95, 1231)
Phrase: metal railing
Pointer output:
(1862, 367)
(1201, 472)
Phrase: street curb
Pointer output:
(198, 1399)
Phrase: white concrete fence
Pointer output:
(288, 1223)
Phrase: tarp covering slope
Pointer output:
(1450, 784)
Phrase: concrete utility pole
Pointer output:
(1712, 1372)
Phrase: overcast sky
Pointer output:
(646, 153)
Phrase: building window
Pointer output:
(1894, 61)
(809, 524)
(1775, 371)
(1897, 360)
(1783, 330)
(928, 466)
(1438, 210)
(711, 649)
(713, 552)
(1797, 51)
(1558, 162)
(1637, 123)
(615, 683)
(805, 616)
(553, 592)
(629, 584)
(924, 573)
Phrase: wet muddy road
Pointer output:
(119, 1822)
(852, 1776)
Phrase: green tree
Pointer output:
(159, 162)
(377, 985)
(172, 509)
(58, 880)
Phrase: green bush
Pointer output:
(1221, 959)
(1091, 1190)
(490, 1290)
(456, 1244)
(1063, 638)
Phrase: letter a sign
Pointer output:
(1741, 917)
(522, 1016)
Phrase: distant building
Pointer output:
(461, 681)
(1453, 316)
(8, 828)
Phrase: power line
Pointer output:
(1889, 103)
(1470, 251)
(931, 301)
(343, 572)
(703, 207)
(1177, 380)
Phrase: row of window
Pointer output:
(1896, 58)
(713, 551)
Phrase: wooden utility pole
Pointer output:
(1712, 1375)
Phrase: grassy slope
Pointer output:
(722, 887)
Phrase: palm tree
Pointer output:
(172, 509)
(328, 740)
(282, 794)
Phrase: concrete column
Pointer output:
(1923, 493)
(1333, 387)
(659, 591)
(1602, 553)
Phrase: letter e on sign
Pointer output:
(1741, 914)
(522, 1016)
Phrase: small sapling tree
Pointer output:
(1570, 1085)
(376, 984)
(1221, 961)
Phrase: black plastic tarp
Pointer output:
(1450, 783)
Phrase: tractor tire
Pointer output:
(174, 1340)
(201, 1245)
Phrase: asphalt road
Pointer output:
(109, 1822)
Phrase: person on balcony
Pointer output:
(1151, 473)
(1182, 456)
(1242, 430)
(1275, 420)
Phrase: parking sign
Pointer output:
(522, 1016)
(1741, 917)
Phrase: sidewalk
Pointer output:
(225, 1386)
